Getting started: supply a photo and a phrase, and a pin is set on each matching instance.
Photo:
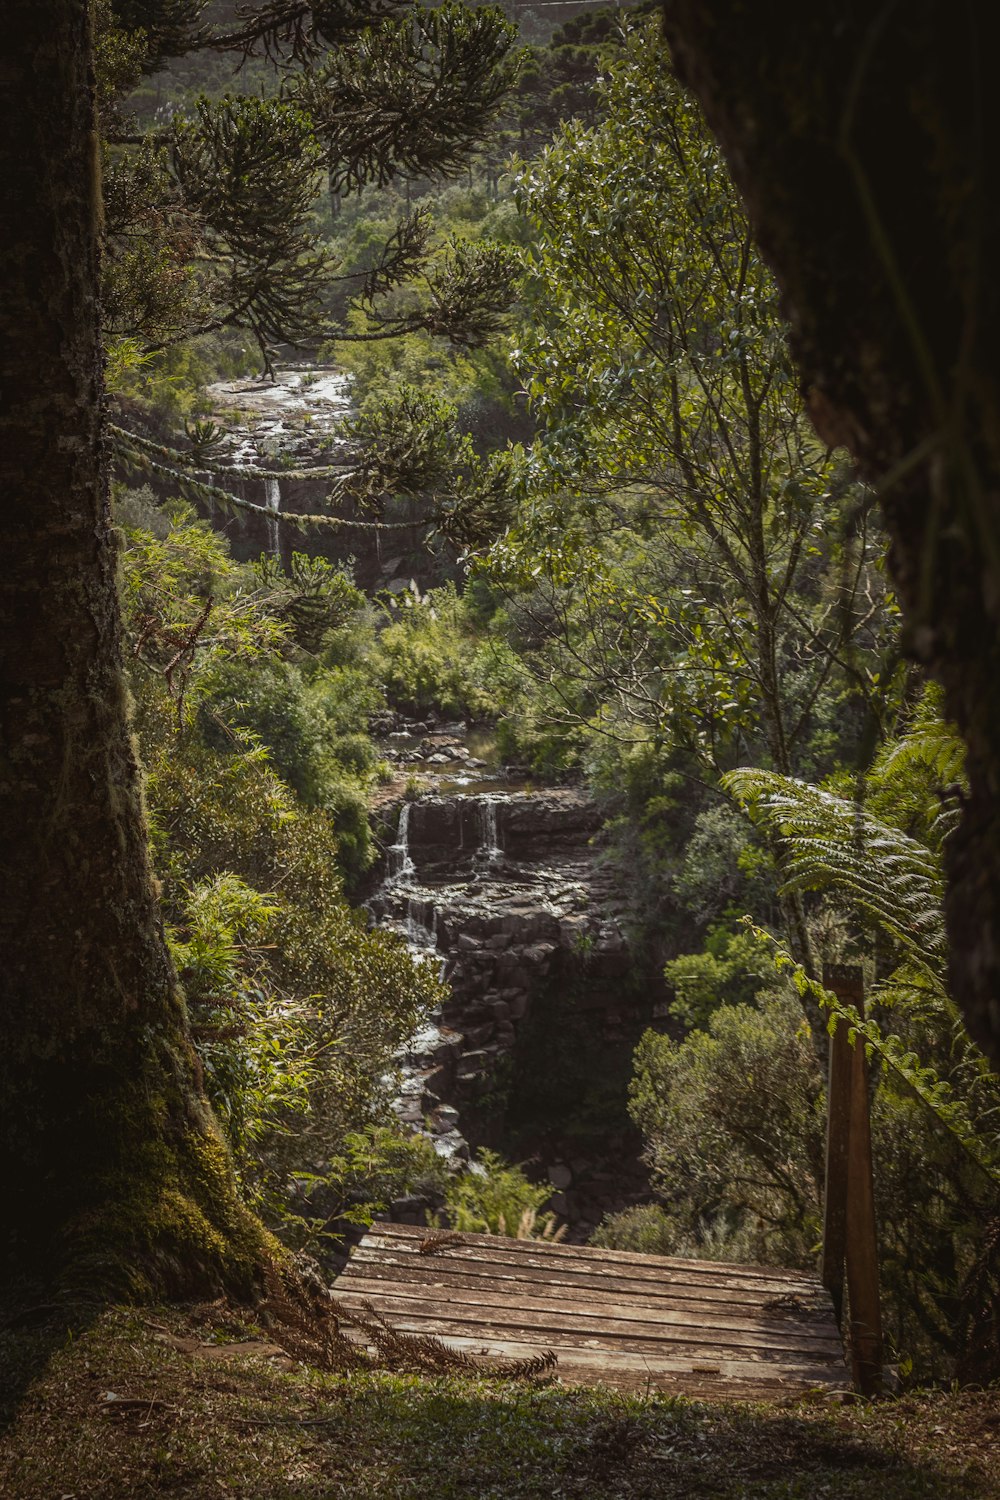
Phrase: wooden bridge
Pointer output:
(651, 1322)
(633, 1322)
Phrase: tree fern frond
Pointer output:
(932, 745)
(970, 1115)
(832, 844)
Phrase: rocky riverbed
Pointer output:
(505, 888)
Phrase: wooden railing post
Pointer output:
(849, 1229)
(838, 1130)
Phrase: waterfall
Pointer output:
(401, 866)
(415, 915)
(489, 836)
(421, 932)
(272, 499)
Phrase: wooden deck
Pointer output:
(634, 1322)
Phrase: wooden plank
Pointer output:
(404, 1312)
(619, 1318)
(532, 1253)
(615, 1362)
(811, 1313)
(676, 1365)
(568, 1282)
(679, 1361)
(635, 1372)
(542, 1324)
(521, 1253)
(413, 1232)
(616, 1316)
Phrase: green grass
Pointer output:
(205, 1417)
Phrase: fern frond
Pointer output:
(947, 1099)
(832, 844)
(931, 745)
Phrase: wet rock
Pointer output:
(473, 1064)
(410, 1209)
(453, 1146)
(506, 892)
(445, 1118)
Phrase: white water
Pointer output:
(401, 866)
(489, 836)
(272, 499)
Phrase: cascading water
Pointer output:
(416, 912)
(501, 890)
(401, 866)
(272, 499)
(490, 849)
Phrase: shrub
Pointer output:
(425, 655)
(645, 1229)
(493, 1197)
(731, 968)
(298, 1010)
(733, 1120)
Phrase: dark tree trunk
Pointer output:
(112, 1169)
(866, 141)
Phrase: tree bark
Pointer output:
(866, 141)
(113, 1171)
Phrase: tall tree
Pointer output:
(866, 143)
(658, 365)
(113, 1167)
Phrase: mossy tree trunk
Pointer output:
(866, 141)
(112, 1170)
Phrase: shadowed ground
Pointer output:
(144, 1404)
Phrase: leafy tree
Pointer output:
(671, 544)
(656, 358)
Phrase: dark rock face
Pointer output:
(540, 827)
(447, 834)
(509, 895)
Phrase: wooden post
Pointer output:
(838, 1130)
(849, 1231)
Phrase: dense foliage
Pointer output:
(675, 592)
(251, 716)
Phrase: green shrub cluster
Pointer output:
(427, 655)
(246, 733)
(493, 1197)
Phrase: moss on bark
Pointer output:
(114, 1176)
